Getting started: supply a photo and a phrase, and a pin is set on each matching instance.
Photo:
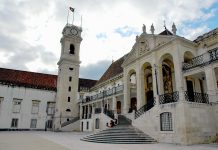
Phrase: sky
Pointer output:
(30, 30)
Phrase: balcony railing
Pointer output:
(169, 97)
(201, 60)
(113, 91)
(98, 110)
(196, 97)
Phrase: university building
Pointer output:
(166, 87)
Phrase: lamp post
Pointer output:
(155, 69)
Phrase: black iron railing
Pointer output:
(70, 121)
(109, 113)
(97, 110)
(196, 97)
(201, 60)
(145, 108)
(194, 62)
(169, 97)
(113, 91)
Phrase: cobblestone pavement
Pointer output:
(71, 141)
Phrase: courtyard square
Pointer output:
(29, 140)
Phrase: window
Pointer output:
(97, 123)
(166, 121)
(69, 89)
(70, 79)
(35, 107)
(68, 110)
(50, 108)
(33, 123)
(71, 69)
(1, 100)
(68, 119)
(14, 123)
(16, 105)
(81, 96)
(87, 125)
(68, 99)
(72, 49)
(49, 124)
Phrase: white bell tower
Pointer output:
(67, 107)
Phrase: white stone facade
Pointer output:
(24, 112)
(167, 86)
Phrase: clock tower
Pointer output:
(67, 107)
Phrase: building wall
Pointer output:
(25, 115)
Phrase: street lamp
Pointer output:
(155, 69)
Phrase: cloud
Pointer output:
(31, 29)
(126, 31)
(101, 36)
(94, 71)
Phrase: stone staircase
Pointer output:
(123, 133)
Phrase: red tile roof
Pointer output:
(113, 70)
(86, 83)
(28, 79)
(35, 80)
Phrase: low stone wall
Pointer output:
(192, 123)
(201, 122)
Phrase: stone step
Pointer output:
(120, 135)
(122, 141)
(119, 138)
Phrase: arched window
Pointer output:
(166, 123)
(72, 49)
(97, 121)
(68, 110)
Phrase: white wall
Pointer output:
(25, 116)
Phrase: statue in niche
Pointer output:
(167, 79)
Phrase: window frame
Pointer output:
(14, 122)
(33, 124)
(50, 108)
(97, 123)
(35, 104)
(166, 121)
(16, 102)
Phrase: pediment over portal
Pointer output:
(144, 44)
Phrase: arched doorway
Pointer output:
(118, 107)
(133, 104)
(147, 84)
(168, 74)
(133, 91)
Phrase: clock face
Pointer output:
(73, 31)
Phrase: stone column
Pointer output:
(179, 79)
(211, 83)
(139, 86)
(114, 104)
(93, 109)
(155, 84)
(81, 111)
(126, 93)
(107, 105)
(88, 110)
